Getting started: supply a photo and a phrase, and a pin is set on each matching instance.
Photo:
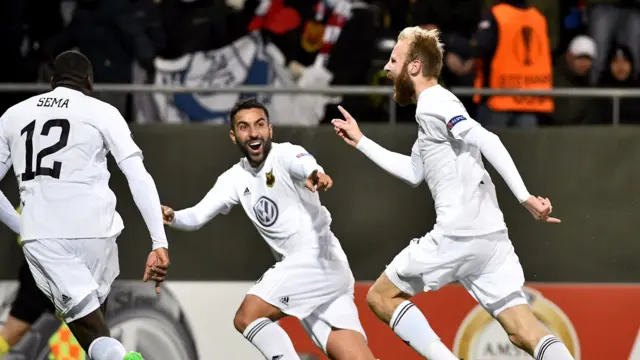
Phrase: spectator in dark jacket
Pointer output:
(195, 25)
(619, 74)
(109, 34)
(613, 21)
(457, 21)
(572, 71)
(12, 68)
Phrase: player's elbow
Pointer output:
(192, 226)
(415, 182)
(199, 220)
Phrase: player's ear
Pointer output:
(415, 67)
(270, 131)
(232, 135)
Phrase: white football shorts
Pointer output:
(75, 274)
(320, 293)
(487, 266)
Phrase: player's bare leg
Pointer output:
(525, 332)
(346, 344)
(255, 321)
(93, 335)
(392, 306)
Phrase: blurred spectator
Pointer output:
(109, 34)
(457, 21)
(619, 74)
(551, 9)
(336, 34)
(193, 25)
(573, 22)
(512, 45)
(572, 71)
(147, 12)
(613, 21)
(12, 67)
(43, 21)
(399, 13)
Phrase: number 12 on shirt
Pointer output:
(30, 130)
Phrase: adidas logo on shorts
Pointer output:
(284, 300)
(246, 192)
(65, 299)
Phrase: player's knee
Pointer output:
(377, 301)
(242, 320)
(526, 337)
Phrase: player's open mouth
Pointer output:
(255, 146)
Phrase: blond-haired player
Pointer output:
(469, 242)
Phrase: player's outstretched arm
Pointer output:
(145, 195)
(8, 214)
(219, 200)
(406, 168)
(495, 152)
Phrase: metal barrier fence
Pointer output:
(615, 94)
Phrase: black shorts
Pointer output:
(30, 302)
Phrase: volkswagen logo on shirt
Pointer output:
(266, 211)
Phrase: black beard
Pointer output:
(244, 149)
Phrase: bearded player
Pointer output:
(276, 184)
(469, 242)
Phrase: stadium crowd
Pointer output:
(572, 43)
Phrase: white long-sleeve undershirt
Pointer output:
(494, 151)
(410, 169)
(145, 195)
(406, 168)
(8, 214)
(217, 201)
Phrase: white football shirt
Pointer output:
(289, 217)
(463, 192)
(58, 143)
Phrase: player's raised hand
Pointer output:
(167, 214)
(348, 128)
(156, 267)
(540, 208)
(318, 181)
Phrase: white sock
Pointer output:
(410, 325)
(551, 348)
(271, 340)
(106, 348)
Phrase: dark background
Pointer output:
(592, 176)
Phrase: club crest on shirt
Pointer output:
(271, 179)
